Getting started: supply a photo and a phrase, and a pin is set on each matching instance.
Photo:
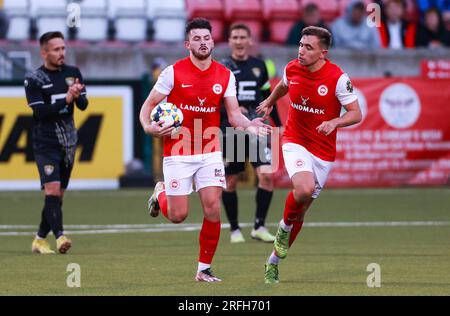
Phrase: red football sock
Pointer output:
(162, 201)
(294, 232)
(209, 238)
(291, 209)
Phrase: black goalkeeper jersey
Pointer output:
(46, 92)
(252, 85)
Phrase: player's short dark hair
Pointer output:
(46, 37)
(359, 5)
(310, 8)
(239, 26)
(198, 23)
(323, 34)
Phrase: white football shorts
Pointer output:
(297, 158)
(203, 170)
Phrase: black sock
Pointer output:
(44, 227)
(263, 199)
(53, 214)
(230, 202)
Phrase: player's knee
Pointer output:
(231, 183)
(265, 182)
(53, 189)
(212, 209)
(177, 217)
(303, 191)
(231, 187)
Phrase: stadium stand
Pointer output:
(213, 9)
(164, 21)
(19, 19)
(169, 19)
(245, 11)
(94, 26)
(280, 15)
(50, 15)
(328, 8)
(130, 19)
(344, 4)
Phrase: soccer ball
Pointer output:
(169, 113)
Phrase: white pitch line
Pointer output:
(155, 228)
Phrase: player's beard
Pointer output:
(55, 64)
(200, 56)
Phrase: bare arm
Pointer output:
(267, 105)
(149, 127)
(237, 119)
(351, 117)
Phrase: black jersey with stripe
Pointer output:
(252, 86)
(46, 92)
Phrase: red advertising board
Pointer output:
(436, 69)
(403, 139)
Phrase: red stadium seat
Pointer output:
(218, 29)
(279, 30)
(210, 9)
(280, 9)
(242, 9)
(328, 8)
(255, 27)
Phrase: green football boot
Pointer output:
(271, 273)
(281, 243)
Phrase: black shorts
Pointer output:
(55, 164)
(249, 147)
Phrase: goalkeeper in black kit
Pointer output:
(253, 86)
(52, 90)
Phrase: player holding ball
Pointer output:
(198, 86)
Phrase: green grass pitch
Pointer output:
(326, 259)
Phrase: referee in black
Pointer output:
(253, 86)
(52, 90)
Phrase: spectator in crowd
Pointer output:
(4, 24)
(395, 31)
(311, 17)
(446, 24)
(352, 31)
(431, 32)
(424, 5)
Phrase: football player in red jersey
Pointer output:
(317, 91)
(197, 85)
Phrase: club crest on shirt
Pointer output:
(322, 90)
(217, 88)
(349, 86)
(48, 169)
(256, 71)
(70, 81)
